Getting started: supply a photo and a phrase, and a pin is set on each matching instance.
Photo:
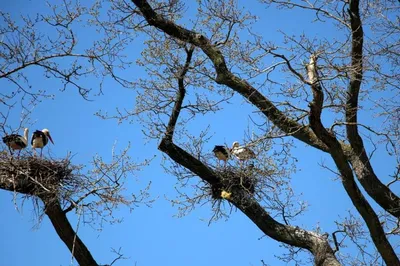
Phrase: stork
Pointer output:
(243, 153)
(40, 139)
(222, 153)
(16, 142)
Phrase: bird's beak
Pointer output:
(50, 138)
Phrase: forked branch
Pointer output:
(358, 157)
(338, 155)
(291, 235)
(226, 77)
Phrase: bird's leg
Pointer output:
(241, 174)
(11, 153)
(41, 151)
(19, 152)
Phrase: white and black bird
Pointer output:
(222, 153)
(16, 142)
(40, 139)
(243, 153)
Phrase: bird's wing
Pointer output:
(20, 142)
(35, 135)
(10, 138)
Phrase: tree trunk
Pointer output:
(67, 234)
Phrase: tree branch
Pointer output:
(388, 200)
(358, 157)
(180, 95)
(291, 235)
(67, 234)
(225, 77)
(14, 179)
(317, 137)
(363, 207)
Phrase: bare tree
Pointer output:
(197, 63)
(58, 187)
(339, 65)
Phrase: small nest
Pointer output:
(234, 179)
(34, 176)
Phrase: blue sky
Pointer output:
(153, 236)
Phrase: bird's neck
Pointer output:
(26, 135)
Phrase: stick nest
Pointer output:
(35, 176)
(234, 178)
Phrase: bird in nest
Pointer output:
(242, 153)
(222, 153)
(40, 139)
(16, 142)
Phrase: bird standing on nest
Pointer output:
(243, 153)
(40, 139)
(222, 153)
(17, 142)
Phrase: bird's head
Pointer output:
(235, 144)
(47, 133)
(217, 148)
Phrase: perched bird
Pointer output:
(243, 153)
(222, 153)
(40, 139)
(16, 142)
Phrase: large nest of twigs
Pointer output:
(35, 176)
(234, 179)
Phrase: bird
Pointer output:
(242, 153)
(222, 153)
(40, 139)
(17, 142)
